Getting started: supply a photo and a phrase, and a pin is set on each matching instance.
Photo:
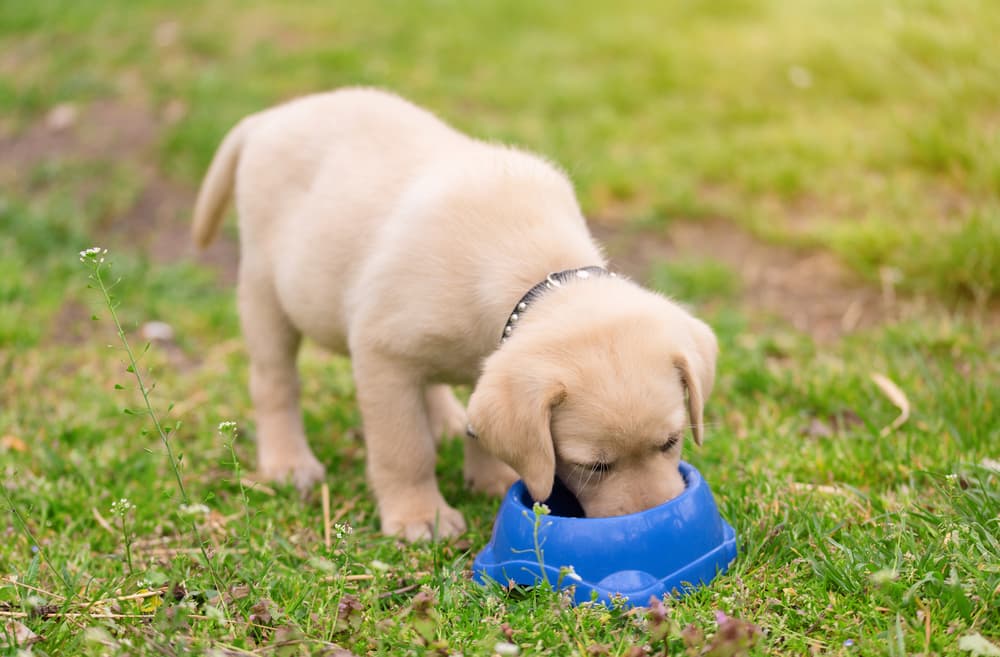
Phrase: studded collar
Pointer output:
(552, 281)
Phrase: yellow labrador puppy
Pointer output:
(373, 228)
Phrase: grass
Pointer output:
(865, 129)
(810, 122)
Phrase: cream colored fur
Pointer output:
(374, 229)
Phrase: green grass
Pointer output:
(865, 129)
(811, 122)
(696, 281)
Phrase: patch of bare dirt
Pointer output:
(124, 133)
(99, 131)
(71, 325)
(157, 221)
(812, 291)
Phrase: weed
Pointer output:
(120, 509)
(94, 259)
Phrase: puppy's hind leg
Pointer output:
(273, 343)
(483, 471)
(401, 450)
(444, 412)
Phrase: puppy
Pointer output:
(374, 229)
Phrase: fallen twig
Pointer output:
(102, 521)
(405, 589)
(344, 509)
(257, 486)
(897, 397)
(326, 516)
(13, 581)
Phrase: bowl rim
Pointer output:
(693, 484)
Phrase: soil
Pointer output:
(810, 290)
(123, 133)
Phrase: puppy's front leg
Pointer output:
(401, 450)
(272, 343)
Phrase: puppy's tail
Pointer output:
(217, 187)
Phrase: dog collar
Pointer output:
(552, 281)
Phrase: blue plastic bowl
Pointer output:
(670, 548)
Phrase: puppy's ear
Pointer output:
(510, 413)
(697, 368)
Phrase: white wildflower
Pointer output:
(93, 254)
(121, 507)
(227, 427)
(343, 529)
(570, 572)
(506, 649)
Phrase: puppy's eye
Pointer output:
(671, 442)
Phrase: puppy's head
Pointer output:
(603, 400)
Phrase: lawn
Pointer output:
(850, 150)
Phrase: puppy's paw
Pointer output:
(301, 469)
(439, 521)
(484, 472)
(492, 477)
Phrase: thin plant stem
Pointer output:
(540, 511)
(128, 546)
(133, 368)
(239, 478)
(35, 543)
